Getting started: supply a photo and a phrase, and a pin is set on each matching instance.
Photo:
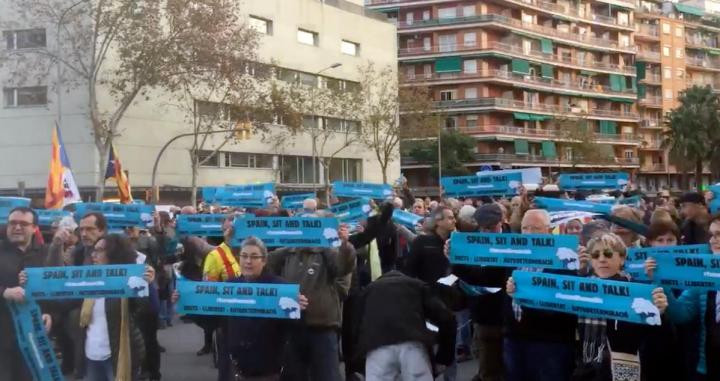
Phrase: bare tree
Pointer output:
(389, 113)
(127, 48)
(578, 134)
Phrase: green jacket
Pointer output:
(316, 271)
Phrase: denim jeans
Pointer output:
(99, 370)
(312, 354)
(527, 360)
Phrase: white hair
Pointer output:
(542, 212)
(398, 203)
(310, 204)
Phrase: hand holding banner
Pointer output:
(82, 282)
(368, 190)
(482, 185)
(636, 256)
(515, 250)
(407, 219)
(578, 181)
(289, 231)
(587, 297)
(47, 216)
(683, 271)
(261, 300)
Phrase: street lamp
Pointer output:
(314, 136)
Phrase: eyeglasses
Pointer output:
(22, 224)
(607, 253)
(253, 258)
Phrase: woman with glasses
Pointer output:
(114, 346)
(606, 342)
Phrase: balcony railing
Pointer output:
(515, 23)
(651, 123)
(533, 159)
(702, 62)
(655, 167)
(538, 133)
(538, 107)
(648, 30)
(570, 11)
(648, 55)
(651, 100)
(652, 78)
(700, 41)
(518, 50)
(713, 85)
(525, 79)
(651, 144)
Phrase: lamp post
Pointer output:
(314, 126)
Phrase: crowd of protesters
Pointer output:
(378, 304)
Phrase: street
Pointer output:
(183, 340)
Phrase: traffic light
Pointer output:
(243, 130)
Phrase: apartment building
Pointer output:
(309, 42)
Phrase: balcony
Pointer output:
(706, 63)
(550, 134)
(526, 80)
(654, 167)
(591, 42)
(651, 78)
(648, 55)
(715, 86)
(651, 101)
(699, 42)
(518, 51)
(532, 159)
(520, 106)
(571, 11)
(647, 30)
(651, 145)
(651, 124)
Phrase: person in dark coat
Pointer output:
(393, 334)
(694, 229)
(426, 260)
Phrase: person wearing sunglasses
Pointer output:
(605, 340)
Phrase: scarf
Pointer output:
(123, 372)
(374, 259)
(593, 333)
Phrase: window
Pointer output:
(427, 43)
(447, 42)
(667, 73)
(426, 15)
(678, 31)
(451, 122)
(471, 121)
(528, 19)
(307, 37)
(680, 73)
(25, 96)
(409, 18)
(679, 52)
(666, 28)
(427, 70)
(470, 66)
(666, 51)
(341, 125)
(24, 39)
(345, 169)
(668, 93)
(410, 72)
(629, 154)
(468, 10)
(298, 170)
(447, 95)
(261, 25)
(350, 48)
(469, 39)
(447, 13)
(248, 160)
(471, 93)
(211, 162)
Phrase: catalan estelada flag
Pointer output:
(61, 187)
(115, 170)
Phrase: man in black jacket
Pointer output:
(694, 229)
(17, 252)
(426, 260)
(393, 331)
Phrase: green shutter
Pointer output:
(539, 117)
(608, 127)
(548, 150)
(520, 66)
(615, 80)
(640, 69)
(713, 51)
(521, 116)
(522, 147)
(547, 71)
(546, 45)
(633, 82)
(689, 10)
(641, 91)
(448, 64)
(622, 100)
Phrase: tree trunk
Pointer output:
(698, 174)
(103, 151)
(193, 184)
(326, 179)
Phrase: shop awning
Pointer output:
(448, 65)
(548, 150)
(623, 100)
(530, 117)
(546, 46)
(521, 147)
(689, 10)
(520, 66)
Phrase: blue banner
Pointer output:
(47, 216)
(289, 231)
(578, 181)
(9, 203)
(82, 282)
(244, 196)
(203, 225)
(407, 219)
(482, 185)
(295, 201)
(118, 216)
(715, 202)
(368, 190)
(352, 211)
(514, 250)
(559, 205)
(683, 271)
(587, 297)
(260, 300)
(33, 341)
(636, 256)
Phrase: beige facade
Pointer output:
(148, 125)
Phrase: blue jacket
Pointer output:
(691, 306)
